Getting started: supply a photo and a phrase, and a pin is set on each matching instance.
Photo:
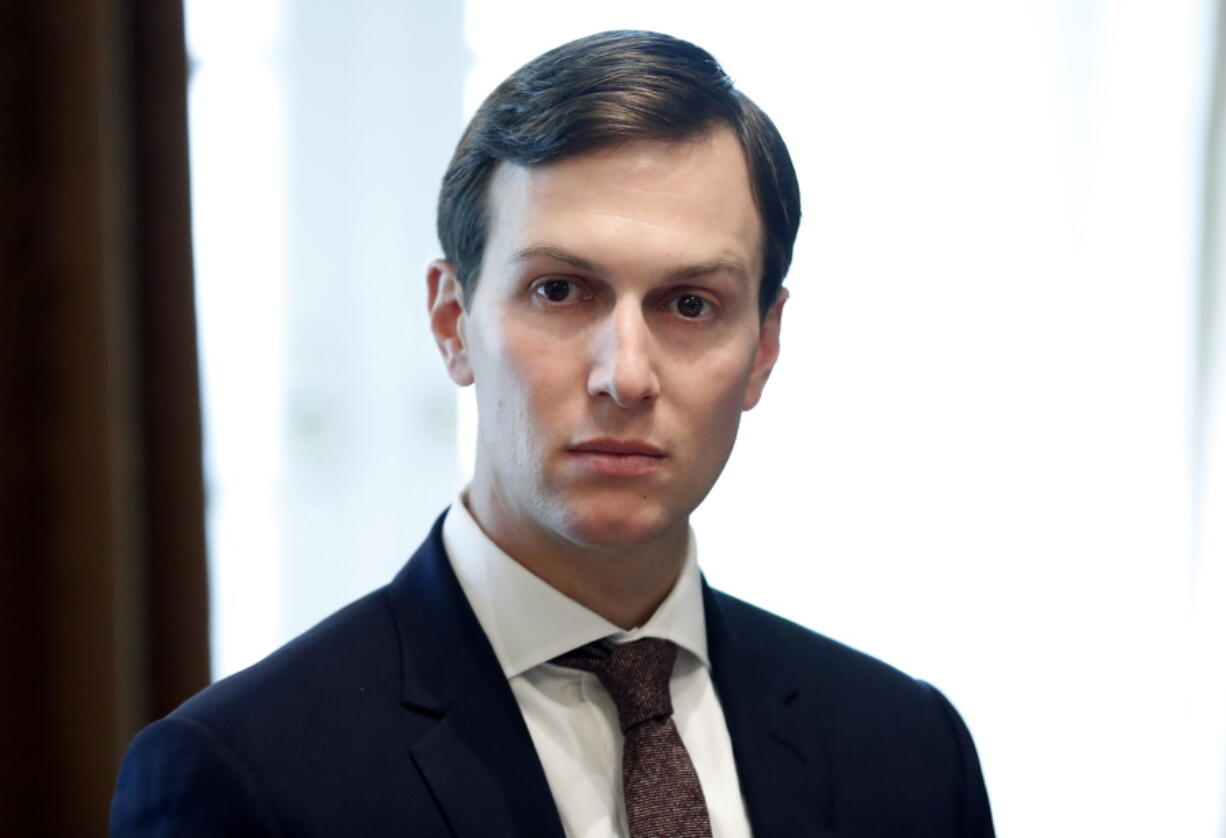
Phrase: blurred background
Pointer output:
(993, 452)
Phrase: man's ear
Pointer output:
(767, 352)
(445, 302)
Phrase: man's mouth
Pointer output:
(618, 458)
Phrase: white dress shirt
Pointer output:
(569, 714)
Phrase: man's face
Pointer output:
(614, 339)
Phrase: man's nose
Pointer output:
(623, 359)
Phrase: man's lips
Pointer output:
(631, 447)
(618, 458)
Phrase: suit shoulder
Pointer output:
(179, 779)
(813, 658)
(352, 651)
(885, 734)
(312, 739)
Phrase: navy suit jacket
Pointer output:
(393, 717)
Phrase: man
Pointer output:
(617, 222)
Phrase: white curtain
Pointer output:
(1208, 450)
(319, 133)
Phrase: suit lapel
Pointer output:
(786, 786)
(477, 756)
(484, 772)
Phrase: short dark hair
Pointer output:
(598, 91)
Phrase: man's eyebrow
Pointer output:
(714, 266)
(688, 272)
(556, 253)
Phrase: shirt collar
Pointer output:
(502, 592)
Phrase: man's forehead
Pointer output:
(697, 191)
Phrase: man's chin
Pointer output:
(609, 528)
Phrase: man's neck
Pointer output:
(625, 584)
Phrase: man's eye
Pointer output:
(556, 290)
(692, 306)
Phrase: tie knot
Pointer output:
(635, 674)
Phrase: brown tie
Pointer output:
(663, 796)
